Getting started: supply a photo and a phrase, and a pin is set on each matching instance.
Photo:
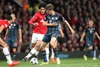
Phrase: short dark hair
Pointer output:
(8, 17)
(42, 5)
(49, 7)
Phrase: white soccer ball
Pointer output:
(34, 61)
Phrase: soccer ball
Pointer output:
(34, 61)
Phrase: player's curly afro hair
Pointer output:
(42, 5)
(8, 17)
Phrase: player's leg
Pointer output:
(43, 52)
(88, 46)
(53, 43)
(45, 41)
(33, 43)
(33, 40)
(94, 52)
(33, 51)
(8, 41)
(14, 53)
(39, 38)
(89, 50)
(37, 46)
(94, 55)
(14, 49)
(47, 51)
(7, 54)
(52, 56)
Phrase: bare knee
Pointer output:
(4, 44)
(37, 46)
(43, 45)
(90, 48)
(32, 45)
(53, 42)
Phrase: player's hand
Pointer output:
(54, 24)
(35, 24)
(99, 38)
(5, 38)
(62, 34)
(20, 40)
(81, 41)
(72, 31)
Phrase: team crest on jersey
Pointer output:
(56, 18)
(91, 31)
(14, 24)
(50, 21)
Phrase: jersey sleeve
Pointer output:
(33, 19)
(5, 24)
(18, 26)
(85, 29)
(95, 29)
(62, 18)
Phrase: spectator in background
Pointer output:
(25, 5)
(83, 9)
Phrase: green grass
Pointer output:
(72, 62)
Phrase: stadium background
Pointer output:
(77, 12)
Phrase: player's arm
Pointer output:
(33, 19)
(49, 24)
(61, 32)
(97, 35)
(20, 34)
(82, 37)
(63, 19)
(72, 31)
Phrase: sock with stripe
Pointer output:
(43, 52)
(7, 54)
(33, 51)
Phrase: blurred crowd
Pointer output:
(77, 12)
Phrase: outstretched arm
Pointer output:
(97, 35)
(82, 37)
(20, 35)
(72, 31)
(61, 32)
(49, 24)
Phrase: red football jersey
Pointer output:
(4, 23)
(40, 28)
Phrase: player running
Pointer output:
(89, 33)
(12, 34)
(38, 32)
(4, 24)
(52, 21)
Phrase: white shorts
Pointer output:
(36, 37)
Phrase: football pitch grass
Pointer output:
(68, 62)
